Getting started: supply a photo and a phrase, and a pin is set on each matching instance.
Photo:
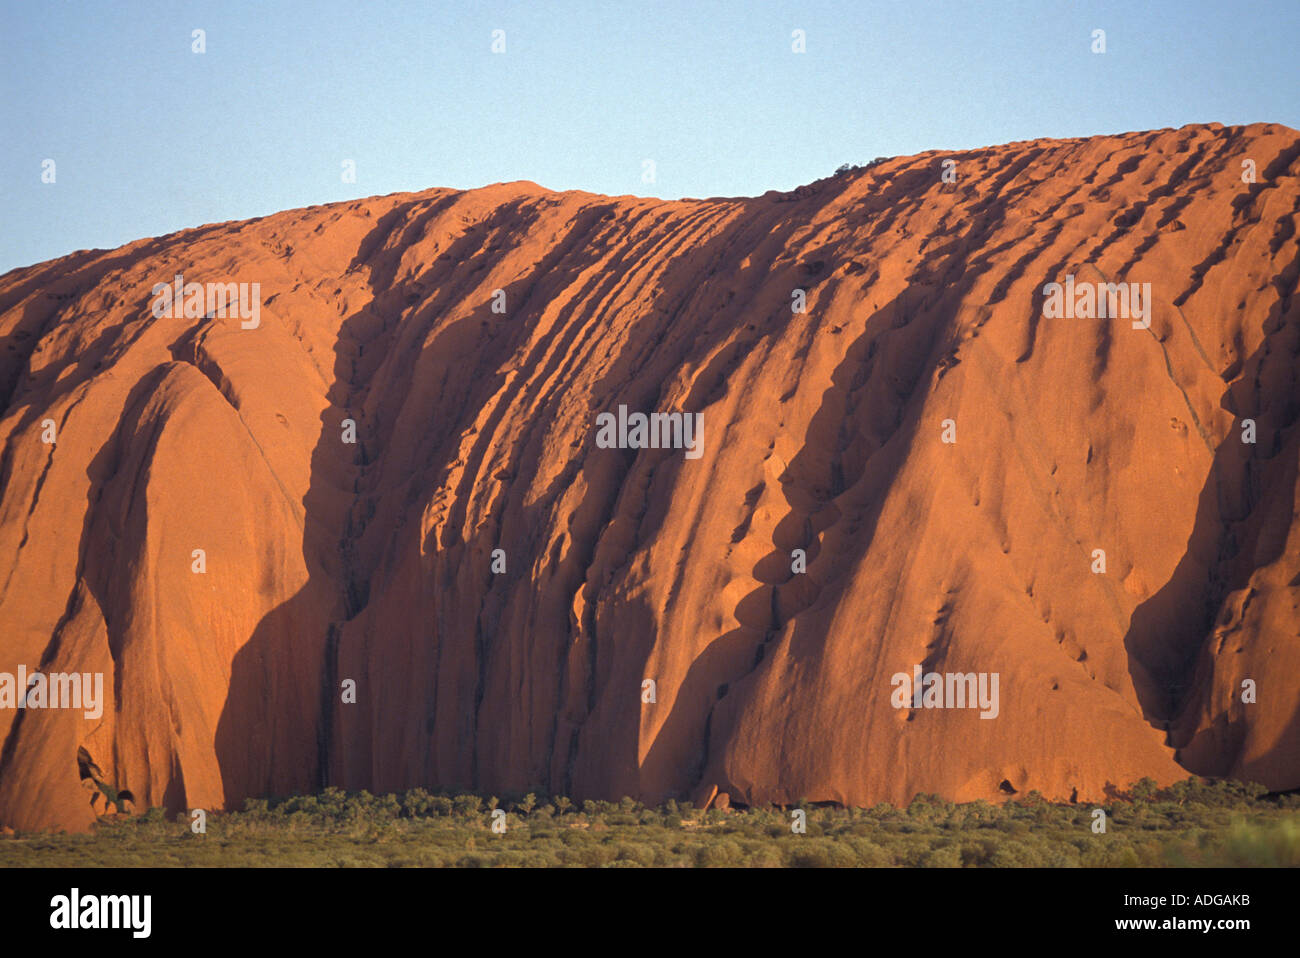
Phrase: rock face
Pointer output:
(1063, 500)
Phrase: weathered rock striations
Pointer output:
(822, 430)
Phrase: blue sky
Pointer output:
(149, 137)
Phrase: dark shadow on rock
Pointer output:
(1243, 513)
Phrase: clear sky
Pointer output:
(149, 137)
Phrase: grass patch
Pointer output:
(1193, 823)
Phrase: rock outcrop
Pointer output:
(904, 462)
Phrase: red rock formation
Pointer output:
(822, 431)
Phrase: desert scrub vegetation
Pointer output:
(1192, 823)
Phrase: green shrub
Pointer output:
(1196, 822)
